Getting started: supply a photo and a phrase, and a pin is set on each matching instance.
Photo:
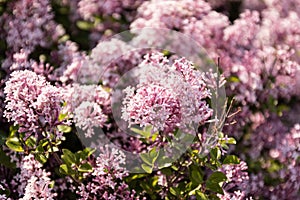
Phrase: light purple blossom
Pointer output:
(88, 105)
(167, 96)
(111, 59)
(106, 179)
(30, 25)
(71, 62)
(33, 181)
(237, 180)
(31, 102)
(91, 8)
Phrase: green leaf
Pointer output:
(231, 159)
(41, 157)
(62, 116)
(141, 132)
(196, 176)
(68, 157)
(231, 140)
(13, 130)
(215, 153)
(51, 184)
(2, 138)
(31, 142)
(64, 128)
(148, 169)
(213, 182)
(88, 152)
(40, 149)
(146, 158)
(164, 162)
(215, 188)
(153, 155)
(14, 144)
(5, 160)
(83, 25)
(234, 79)
(64, 169)
(86, 167)
(44, 142)
(200, 196)
(174, 191)
(217, 177)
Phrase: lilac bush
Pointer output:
(64, 81)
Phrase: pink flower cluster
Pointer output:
(237, 181)
(33, 181)
(30, 25)
(106, 179)
(87, 105)
(111, 59)
(259, 55)
(31, 102)
(90, 8)
(70, 62)
(167, 96)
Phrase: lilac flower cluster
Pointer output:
(88, 8)
(112, 59)
(70, 61)
(31, 102)
(30, 25)
(106, 179)
(33, 181)
(237, 181)
(21, 61)
(167, 96)
(194, 18)
(87, 105)
(40, 90)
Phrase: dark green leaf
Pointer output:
(68, 157)
(213, 182)
(196, 177)
(5, 160)
(2, 138)
(174, 191)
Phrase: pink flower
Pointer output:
(33, 181)
(31, 102)
(106, 179)
(166, 97)
(31, 24)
